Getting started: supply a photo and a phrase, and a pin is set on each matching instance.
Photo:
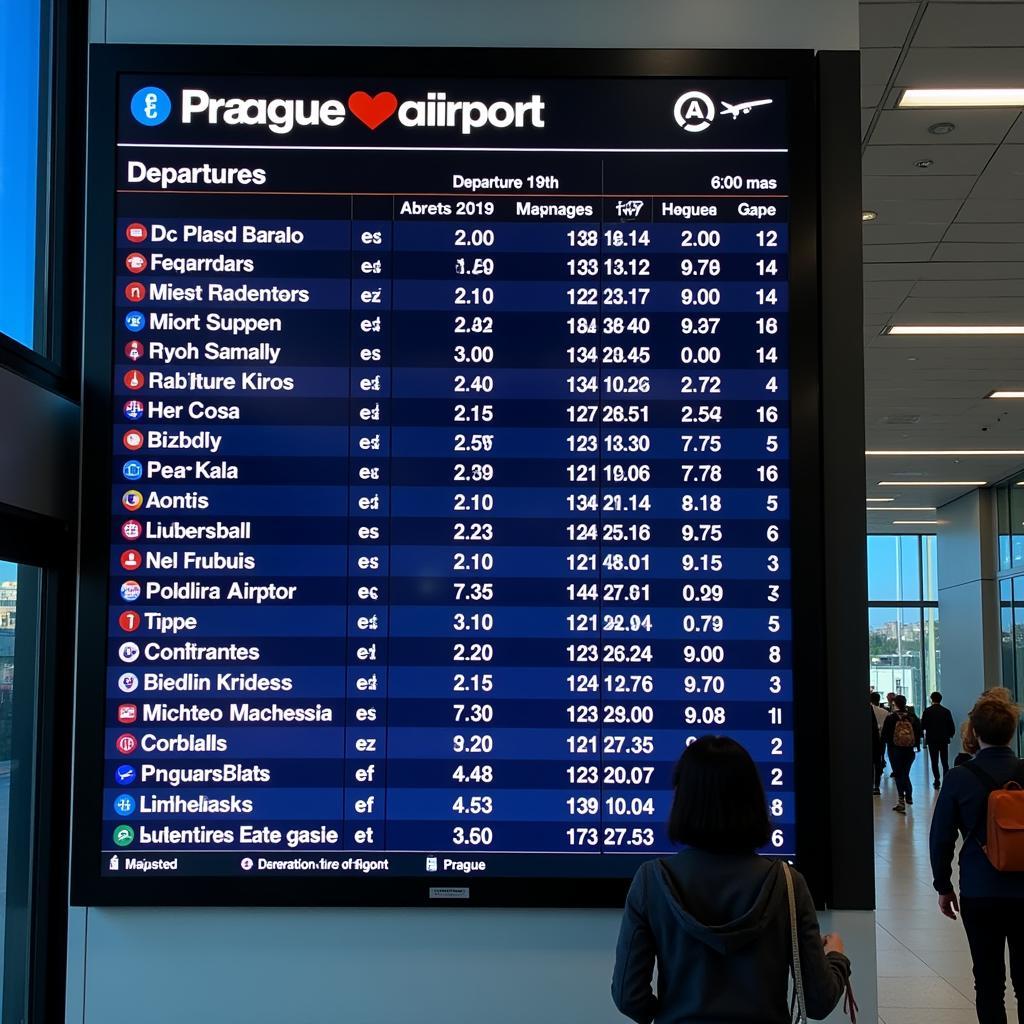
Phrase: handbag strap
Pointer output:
(794, 934)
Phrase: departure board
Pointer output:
(447, 489)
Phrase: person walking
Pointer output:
(939, 728)
(991, 901)
(902, 735)
(878, 748)
(715, 918)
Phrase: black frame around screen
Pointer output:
(811, 693)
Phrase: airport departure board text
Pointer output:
(450, 477)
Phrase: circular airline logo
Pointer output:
(131, 560)
(124, 805)
(129, 621)
(135, 350)
(129, 652)
(151, 106)
(132, 500)
(694, 111)
(134, 409)
(136, 232)
(131, 529)
(133, 440)
(132, 470)
(134, 380)
(135, 291)
(124, 835)
(136, 262)
(128, 682)
(135, 320)
(131, 590)
(125, 775)
(126, 743)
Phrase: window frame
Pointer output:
(37, 870)
(56, 363)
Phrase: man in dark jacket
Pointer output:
(939, 728)
(991, 901)
(902, 736)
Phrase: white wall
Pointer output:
(398, 966)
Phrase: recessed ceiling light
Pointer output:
(955, 329)
(923, 163)
(1005, 394)
(912, 98)
(932, 483)
(941, 128)
(868, 215)
(950, 451)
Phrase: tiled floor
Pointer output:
(924, 967)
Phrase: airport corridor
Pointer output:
(924, 965)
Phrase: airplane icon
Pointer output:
(742, 108)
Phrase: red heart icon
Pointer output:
(372, 110)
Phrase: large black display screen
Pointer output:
(448, 483)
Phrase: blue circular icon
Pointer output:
(125, 774)
(131, 590)
(132, 470)
(151, 106)
(124, 805)
(134, 409)
(135, 320)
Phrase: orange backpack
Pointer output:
(1004, 821)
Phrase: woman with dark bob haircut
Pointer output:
(715, 917)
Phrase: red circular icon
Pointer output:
(135, 350)
(136, 262)
(134, 440)
(135, 291)
(136, 232)
(129, 621)
(131, 529)
(126, 743)
(127, 713)
(131, 560)
(134, 379)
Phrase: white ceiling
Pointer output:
(947, 247)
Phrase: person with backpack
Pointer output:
(725, 926)
(939, 728)
(902, 737)
(976, 804)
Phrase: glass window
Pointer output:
(930, 567)
(1017, 526)
(909, 567)
(895, 648)
(932, 658)
(20, 76)
(1018, 627)
(1003, 526)
(19, 621)
(882, 585)
(1006, 633)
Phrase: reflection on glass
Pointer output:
(932, 659)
